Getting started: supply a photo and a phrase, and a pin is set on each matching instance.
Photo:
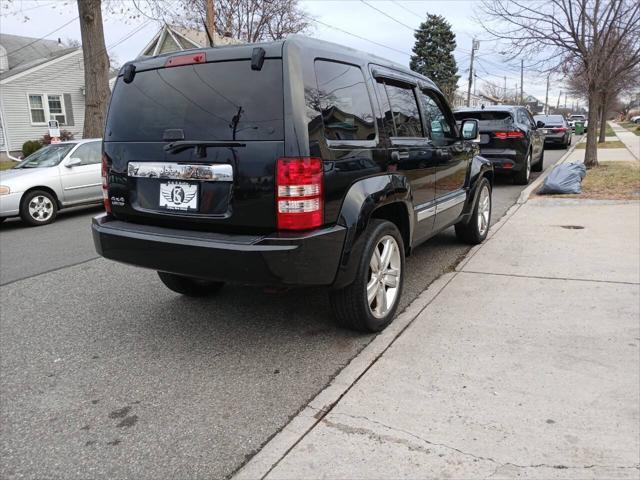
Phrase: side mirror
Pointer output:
(73, 162)
(470, 130)
(539, 124)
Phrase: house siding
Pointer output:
(64, 77)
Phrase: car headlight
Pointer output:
(4, 190)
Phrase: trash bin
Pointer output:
(579, 128)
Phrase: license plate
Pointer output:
(179, 196)
(546, 131)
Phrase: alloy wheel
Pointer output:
(384, 276)
(40, 208)
(484, 210)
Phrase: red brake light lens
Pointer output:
(509, 134)
(105, 184)
(299, 193)
(559, 130)
(179, 60)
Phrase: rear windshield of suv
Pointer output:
(487, 119)
(209, 101)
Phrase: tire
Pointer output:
(189, 286)
(351, 305)
(522, 177)
(539, 166)
(475, 230)
(38, 208)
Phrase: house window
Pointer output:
(56, 111)
(37, 109)
(47, 107)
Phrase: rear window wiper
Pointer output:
(200, 145)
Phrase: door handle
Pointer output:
(396, 156)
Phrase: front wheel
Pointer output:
(189, 286)
(370, 302)
(476, 229)
(38, 208)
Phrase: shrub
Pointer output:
(64, 136)
(30, 146)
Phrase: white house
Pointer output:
(40, 80)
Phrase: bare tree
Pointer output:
(492, 90)
(96, 67)
(587, 33)
(248, 20)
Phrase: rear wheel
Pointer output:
(370, 302)
(189, 286)
(522, 177)
(38, 208)
(477, 228)
(539, 164)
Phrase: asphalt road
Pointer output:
(106, 373)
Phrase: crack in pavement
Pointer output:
(379, 437)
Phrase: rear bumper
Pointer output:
(506, 160)
(307, 258)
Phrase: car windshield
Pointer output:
(48, 156)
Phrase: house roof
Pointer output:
(23, 53)
(171, 38)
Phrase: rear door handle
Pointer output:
(396, 156)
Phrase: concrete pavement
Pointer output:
(630, 139)
(524, 362)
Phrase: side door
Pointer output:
(409, 149)
(453, 158)
(82, 183)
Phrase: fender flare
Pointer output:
(480, 168)
(362, 199)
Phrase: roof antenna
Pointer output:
(206, 29)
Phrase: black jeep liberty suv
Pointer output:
(290, 163)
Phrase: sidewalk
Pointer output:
(524, 362)
(630, 139)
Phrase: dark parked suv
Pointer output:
(510, 138)
(296, 162)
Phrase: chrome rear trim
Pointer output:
(220, 172)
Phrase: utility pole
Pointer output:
(565, 99)
(515, 95)
(522, 82)
(558, 104)
(504, 95)
(546, 98)
(475, 83)
(211, 18)
(474, 46)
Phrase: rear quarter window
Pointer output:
(340, 105)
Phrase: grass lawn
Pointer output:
(609, 131)
(611, 144)
(610, 181)
(7, 164)
(632, 127)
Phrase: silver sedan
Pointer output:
(56, 176)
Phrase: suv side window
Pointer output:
(441, 126)
(405, 112)
(343, 102)
(89, 153)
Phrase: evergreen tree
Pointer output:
(433, 54)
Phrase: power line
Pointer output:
(382, 12)
(43, 37)
(408, 9)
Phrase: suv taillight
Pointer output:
(105, 184)
(509, 134)
(299, 193)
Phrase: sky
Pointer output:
(339, 21)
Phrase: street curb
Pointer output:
(291, 434)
